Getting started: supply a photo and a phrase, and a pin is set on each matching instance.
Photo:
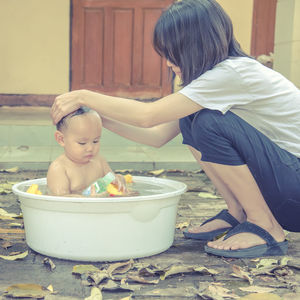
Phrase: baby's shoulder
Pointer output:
(58, 165)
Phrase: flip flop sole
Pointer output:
(256, 251)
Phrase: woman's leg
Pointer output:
(250, 172)
(241, 183)
(234, 208)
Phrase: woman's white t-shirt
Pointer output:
(259, 95)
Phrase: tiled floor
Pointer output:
(27, 140)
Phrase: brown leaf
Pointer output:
(139, 279)
(240, 273)
(215, 291)
(49, 263)
(111, 285)
(6, 245)
(119, 268)
(99, 276)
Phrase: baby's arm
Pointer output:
(119, 181)
(57, 180)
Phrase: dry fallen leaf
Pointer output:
(156, 172)
(4, 213)
(139, 279)
(266, 262)
(182, 225)
(14, 257)
(127, 298)
(99, 276)
(240, 273)
(29, 290)
(119, 268)
(261, 296)
(217, 292)
(95, 294)
(181, 269)
(257, 289)
(49, 263)
(10, 170)
(208, 195)
(84, 269)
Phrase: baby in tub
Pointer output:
(75, 171)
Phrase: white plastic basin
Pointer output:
(101, 229)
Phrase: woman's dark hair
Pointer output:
(195, 35)
(63, 121)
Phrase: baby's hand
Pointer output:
(120, 183)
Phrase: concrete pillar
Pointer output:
(287, 40)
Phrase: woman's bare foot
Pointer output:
(216, 224)
(247, 240)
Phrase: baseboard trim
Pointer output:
(26, 99)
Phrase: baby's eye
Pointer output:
(80, 143)
(96, 142)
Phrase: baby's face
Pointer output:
(82, 137)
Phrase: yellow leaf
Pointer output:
(266, 262)
(30, 290)
(156, 172)
(84, 269)
(4, 213)
(208, 195)
(182, 225)
(205, 270)
(14, 257)
(95, 294)
(10, 170)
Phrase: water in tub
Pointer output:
(141, 188)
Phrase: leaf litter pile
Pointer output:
(182, 272)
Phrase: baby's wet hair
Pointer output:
(80, 111)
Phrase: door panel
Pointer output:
(112, 48)
(263, 27)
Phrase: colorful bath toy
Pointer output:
(128, 178)
(34, 189)
(99, 186)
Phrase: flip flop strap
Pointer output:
(252, 228)
(225, 216)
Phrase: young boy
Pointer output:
(81, 164)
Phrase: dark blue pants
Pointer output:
(229, 140)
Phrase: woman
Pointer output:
(239, 118)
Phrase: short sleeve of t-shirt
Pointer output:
(221, 87)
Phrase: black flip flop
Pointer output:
(208, 236)
(271, 248)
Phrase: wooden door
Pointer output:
(263, 27)
(112, 48)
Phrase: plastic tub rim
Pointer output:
(181, 189)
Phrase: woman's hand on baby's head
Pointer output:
(120, 182)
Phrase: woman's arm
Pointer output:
(155, 136)
(136, 113)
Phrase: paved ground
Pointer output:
(189, 273)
